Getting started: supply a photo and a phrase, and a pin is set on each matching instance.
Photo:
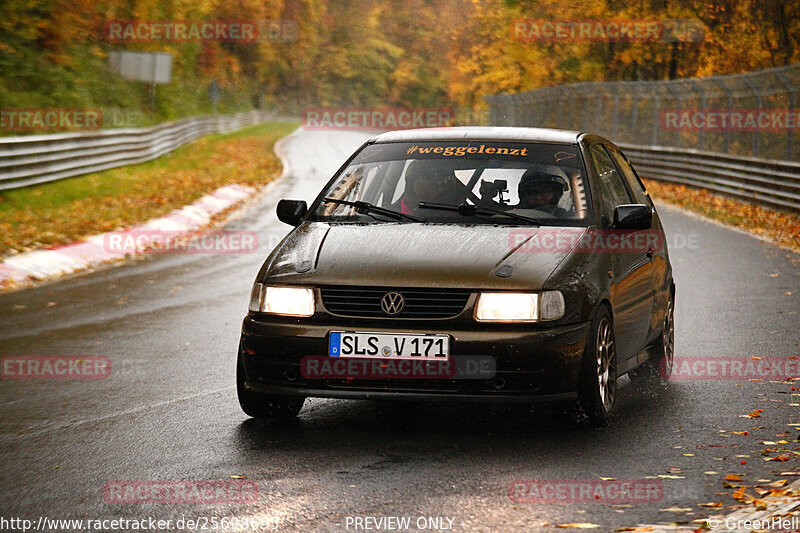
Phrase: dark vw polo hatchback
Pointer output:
(464, 264)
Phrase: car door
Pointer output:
(631, 283)
(659, 258)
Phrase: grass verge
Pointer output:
(68, 210)
(781, 227)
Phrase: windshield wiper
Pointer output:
(366, 208)
(467, 210)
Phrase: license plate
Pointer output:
(389, 345)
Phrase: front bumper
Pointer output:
(531, 363)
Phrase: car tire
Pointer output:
(656, 371)
(263, 406)
(598, 383)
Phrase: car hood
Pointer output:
(413, 255)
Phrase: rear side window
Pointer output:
(629, 175)
(614, 192)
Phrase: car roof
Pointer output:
(480, 133)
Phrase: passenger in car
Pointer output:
(541, 191)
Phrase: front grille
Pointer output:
(418, 303)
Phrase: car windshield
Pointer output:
(540, 181)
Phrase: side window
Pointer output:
(614, 192)
(634, 184)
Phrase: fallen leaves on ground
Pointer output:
(739, 494)
(779, 226)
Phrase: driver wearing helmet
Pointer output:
(426, 181)
(542, 191)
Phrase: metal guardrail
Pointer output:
(34, 159)
(769, 182)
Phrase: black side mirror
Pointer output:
(633, 216)
(292, 211)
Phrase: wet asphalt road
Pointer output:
(168, 411)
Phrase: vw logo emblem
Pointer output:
(392, 303)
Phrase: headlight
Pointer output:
(289, 301)
(519, 307)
